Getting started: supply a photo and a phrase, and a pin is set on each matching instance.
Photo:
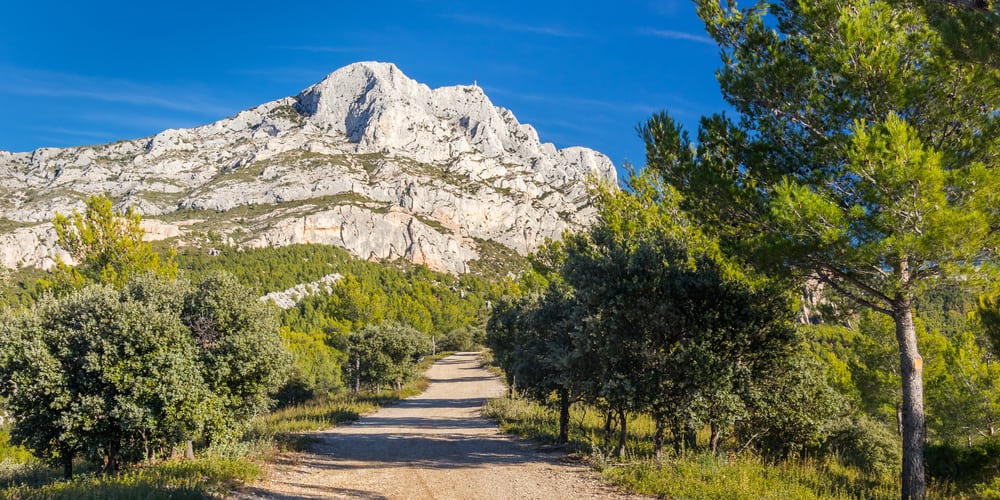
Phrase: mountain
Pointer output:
(367, 159)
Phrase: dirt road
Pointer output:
(435, 445)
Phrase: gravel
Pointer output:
(435, 445)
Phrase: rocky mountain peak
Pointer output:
(367, 159)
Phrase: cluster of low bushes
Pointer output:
(215, 471)
(863, 467)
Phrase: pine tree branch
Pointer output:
(835, 279)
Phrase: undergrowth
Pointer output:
(703, 475)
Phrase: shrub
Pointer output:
(965, 465)
(868, 444)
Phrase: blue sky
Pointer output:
(583, 73)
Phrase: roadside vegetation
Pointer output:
(215, 471)
(130, 376)
(845, 184)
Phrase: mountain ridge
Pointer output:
(366, 159)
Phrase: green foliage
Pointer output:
(863, 155)
(220, 469)
(674, 328)
(643, 314)
(988, 318)
(11, 452)
(964, 465)
(240, 351)
(268, 269)
(692, 475)
(963, 388)
(867, 443)
(316, 367)
(101, 374)
(370, 292)
(195, 479)
(107, 246)
(385, 355)
(539, 341)
(862, 363)
(118, 376)
(466, 339)
(791, 410)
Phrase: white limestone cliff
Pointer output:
(366, 159)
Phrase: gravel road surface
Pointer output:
(435, 445)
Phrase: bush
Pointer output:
(965, 465)
(868, 444)
(385, 355)
(462, 339)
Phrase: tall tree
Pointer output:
(538, 341)
(864, 155)
(106, 245)
(674, 328)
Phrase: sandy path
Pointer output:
(435, 445)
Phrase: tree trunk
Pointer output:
(911, 371)
(563, 416)
(690, 439)
(111, 459)
(899, 419)
(189, 450)
(658, 439)
(622, 433)
(357, 375)
(715, 439)
(67, 463)
(675, 434)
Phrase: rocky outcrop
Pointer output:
(286, 299)
(366, 159)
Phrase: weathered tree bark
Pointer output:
(911, 372)
(622, 433)
(658, 439)
(189, 450)
(563, 416)
(715, 439)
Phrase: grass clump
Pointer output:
(704, 476)
(171, 479)
(694, 475)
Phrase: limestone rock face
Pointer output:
(367, 159)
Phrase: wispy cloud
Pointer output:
(506, 25)
(678, 35)
(25, 82)
(667, 7)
